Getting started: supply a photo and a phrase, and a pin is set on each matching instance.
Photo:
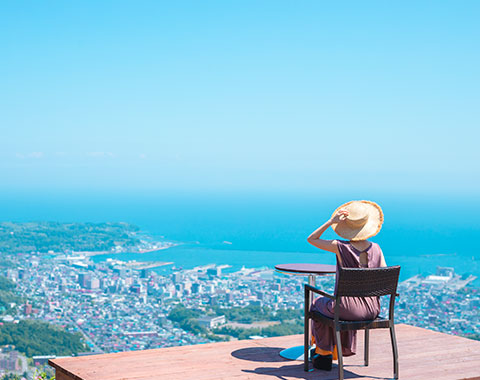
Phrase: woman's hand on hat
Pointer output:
(339, 216)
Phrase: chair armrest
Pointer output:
(309, 288)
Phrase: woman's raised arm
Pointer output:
(327, 245)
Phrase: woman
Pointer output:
(355, 221)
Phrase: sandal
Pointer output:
(323, 362)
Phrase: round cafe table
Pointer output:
(310, 270)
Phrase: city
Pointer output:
(119, 308)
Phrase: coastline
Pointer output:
(187, 256)
(136, 250)
(140, 265)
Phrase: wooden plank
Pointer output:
(421, 352)
(60, 375)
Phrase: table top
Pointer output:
(306, 268)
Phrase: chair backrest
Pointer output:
(367, 282)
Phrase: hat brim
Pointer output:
(369, 229)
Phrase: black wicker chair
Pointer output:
(356, 282)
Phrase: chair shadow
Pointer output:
(260, 354)
(289, 371)
(296, 371)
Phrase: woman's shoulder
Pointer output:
(342, 245)
(347, 243)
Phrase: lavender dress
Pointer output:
(351, 308)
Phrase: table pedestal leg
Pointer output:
(311, 282)
(296, 353)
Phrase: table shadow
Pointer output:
(260, 354)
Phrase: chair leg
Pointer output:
(395, 351)
(340, 355)
(366, 347)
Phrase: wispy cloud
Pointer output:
(100, 154)
(33, 155)
(36, 155)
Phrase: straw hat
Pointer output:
(364, 220)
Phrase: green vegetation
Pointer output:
(6, 263)
(285, 328)
(186, 318)
(216, 338)
(291, 321)
(11, 376)
(60, 237)
(472, 336)
(7, 294)
(43, 376)
(249, 314)
(38, 338)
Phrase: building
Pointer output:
(83, 279)
(145, 273)
(177, 277)
(445, 271)
(197, 288)
(27, 308)
(42, 359)
(93, 283)
(211, 322)
(214, 272)
(10, 361)
(136, 288)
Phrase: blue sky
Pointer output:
(240, 95)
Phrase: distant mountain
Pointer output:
(39, 338)
(61, 237)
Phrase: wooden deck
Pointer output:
(423, 355)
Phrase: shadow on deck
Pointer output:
(423, 355)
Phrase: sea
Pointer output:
(260, 229)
